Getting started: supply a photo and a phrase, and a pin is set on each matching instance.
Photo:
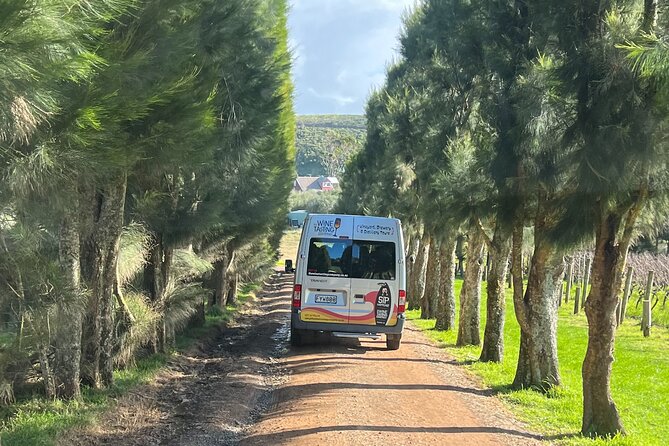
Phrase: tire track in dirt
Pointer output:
(246, 387)
(212, 393)
(345, 392)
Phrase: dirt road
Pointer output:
(246, 387)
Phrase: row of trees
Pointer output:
(521, 123)
(146, 150)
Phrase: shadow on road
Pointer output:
(273, 438)
(315, 388)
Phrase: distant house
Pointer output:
(321, 184)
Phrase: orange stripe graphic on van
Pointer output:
(316, 314)
(321, 315)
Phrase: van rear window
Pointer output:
(358, 259)
(329, 257)
(373, 260)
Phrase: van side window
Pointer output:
(373, 260)
(329, 257)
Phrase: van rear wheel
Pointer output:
(393, 341)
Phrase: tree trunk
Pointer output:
(649, 15)
(460, 253)
(493, 338)
(113, 219)
(218, 296)
(46, 371)
(536, 312)
(431, 295)
(419, 271)
(470, 294)
(232, 280)
(233, 284)
(110, 203)
(600, 415)
(446, 306)
(517, 260)
(411, 268)
(69, 313)
(156, 280)
(570, 278)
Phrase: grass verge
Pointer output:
(289, 245)
(34, 421)
(640, 384)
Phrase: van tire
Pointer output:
(295, 337)
(393, 341)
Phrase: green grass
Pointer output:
(6, 338)
(34, 421)
(216, 316)
(289, 245)
(640, 380)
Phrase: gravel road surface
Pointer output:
(245, 386)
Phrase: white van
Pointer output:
(350, 278)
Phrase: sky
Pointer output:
(341, 49)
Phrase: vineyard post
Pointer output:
(626, 294)
(646, 319)
(561, 292)
(576, 299)
(586, 279)
(570, 276)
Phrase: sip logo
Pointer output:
(382, 304)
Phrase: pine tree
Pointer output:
(615, 163)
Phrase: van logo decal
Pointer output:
(375, 230)
(382, 304)
(328, 227)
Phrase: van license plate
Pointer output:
(325, 299)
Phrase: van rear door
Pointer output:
(326, 280)
(376, 252)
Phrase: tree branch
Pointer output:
(488, 240)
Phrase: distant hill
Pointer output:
(325, 142)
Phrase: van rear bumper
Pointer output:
(295, 322)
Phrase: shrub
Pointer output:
(314, 201)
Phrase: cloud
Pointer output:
(357, 5)
(339, 99)
(344, 76)
(341, 50)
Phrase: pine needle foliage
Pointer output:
(545, 117)
(140, 141)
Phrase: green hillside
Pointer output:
(325, 142)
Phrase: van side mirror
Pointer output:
(288, 266)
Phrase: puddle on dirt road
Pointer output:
(274, 375)
(280, 337)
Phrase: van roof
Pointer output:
(354, 216)
(359, 227)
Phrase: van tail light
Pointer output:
(402, 304)
(297, 296)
